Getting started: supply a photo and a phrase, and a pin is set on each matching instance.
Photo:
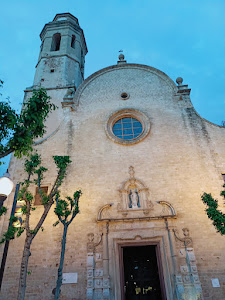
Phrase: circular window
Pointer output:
(127, 126)
(124, 96)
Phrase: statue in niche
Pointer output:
(134, 196)
(134, 201)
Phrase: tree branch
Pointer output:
(39, 187)
(41, 221)
(47, 207)
(55, 186)
(5, 153)
(73, 216)
(57, 203)
(27, 220)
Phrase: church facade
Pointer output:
(142, 157)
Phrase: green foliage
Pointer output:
(24, 209)
(35, 172)
(40, 172)
(20, 231)
(29, 196)
(64, 209)
(32, 163)
(8, 122)
(12, 230)
(67, 207)
(3, 210)
(21, 193)
(9, 234)
(44, 198)
(62, 161)
(222, 193)
(17, 132)
(213, 213)
(13, 219)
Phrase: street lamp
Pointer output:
(6, 186)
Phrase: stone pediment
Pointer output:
(134, 203)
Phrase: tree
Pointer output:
(35, 174)
(64, 209)
(18, 131)
(213, 213)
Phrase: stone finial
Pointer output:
(121, 57)
(182, 89)
(179, 80)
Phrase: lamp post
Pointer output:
(6, 186)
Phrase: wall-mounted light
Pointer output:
(6, 186)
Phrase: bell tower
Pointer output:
(62, 55)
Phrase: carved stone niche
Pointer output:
(134, 196)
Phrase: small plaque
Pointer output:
(69, 278)
(98, 273)
(89, 283)
(196, 278)
(98, 256)
(98, 283)
(194, 269)
(89, 273)
(215, 282)
(179, 279)
(191, 255)
(90, 261)
(184, 269)
(187, 279)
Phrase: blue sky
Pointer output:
(181, 38)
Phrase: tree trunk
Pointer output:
(23, 268)
(60, 269)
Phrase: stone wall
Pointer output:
(180, 158)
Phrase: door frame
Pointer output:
(159, 263)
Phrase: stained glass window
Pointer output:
(127, 128)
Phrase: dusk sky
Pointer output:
(181, 38)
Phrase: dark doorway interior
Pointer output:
(141, 276)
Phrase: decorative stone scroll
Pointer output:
(186, 240)
(134, 195)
